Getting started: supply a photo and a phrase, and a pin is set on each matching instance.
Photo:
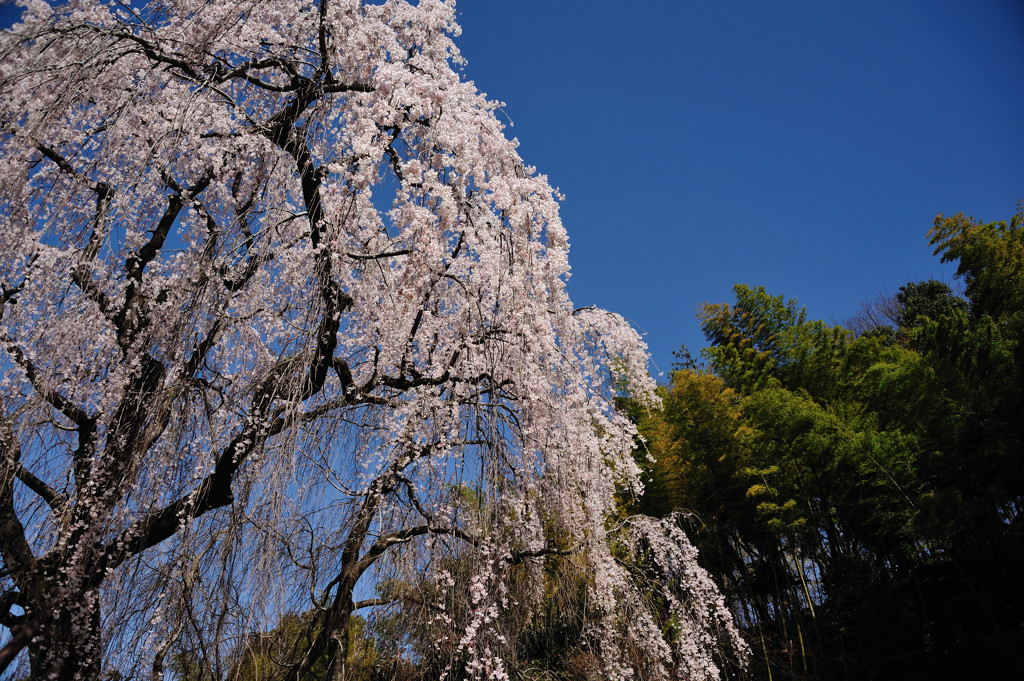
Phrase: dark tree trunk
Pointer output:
(69, 644)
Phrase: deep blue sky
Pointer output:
(802, 146)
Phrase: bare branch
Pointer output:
(372, 603)
(65, 406)
(20, 637)
(408, 534)
(379, 256)
(54, 499)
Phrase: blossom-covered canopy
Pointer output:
(284, 321)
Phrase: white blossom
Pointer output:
(284, 315)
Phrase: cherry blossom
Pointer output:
(284, 322)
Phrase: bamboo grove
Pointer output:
(856, 490)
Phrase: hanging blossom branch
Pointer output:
(217, 350)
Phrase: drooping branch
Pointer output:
(69, 409)
(336, 616)
(213, 492)
(518, 557)
(154, 355)
(54, 499)
(124, 442)
(104, 195)
(14, 547)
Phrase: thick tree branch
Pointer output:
(54, 499)
(133, 316)
(20, 637)
(245, 69)
(14, 547)
(8, 599)
(335, 87)
(213, 492)
(372, 603)
(150, 50)
(406, 535)
(379, 256)
(137, 262)
(73, 412)
(335, 617)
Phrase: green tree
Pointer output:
(762, 337)
(866, 489)
(990, 259)
(750, 340)
(267, 655)
(927, 299)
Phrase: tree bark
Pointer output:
(68, 645)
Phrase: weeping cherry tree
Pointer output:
(284, 328)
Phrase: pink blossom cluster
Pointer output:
(284, 316)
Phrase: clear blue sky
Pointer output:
(802, 146)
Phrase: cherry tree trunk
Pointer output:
(68, 645)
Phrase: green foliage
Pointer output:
(750, 339)
(267, 655)
(764, 337)
(859, 497)
(695, 434)
(931, 300)
(989, 257)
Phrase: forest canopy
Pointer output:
(858, 496)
